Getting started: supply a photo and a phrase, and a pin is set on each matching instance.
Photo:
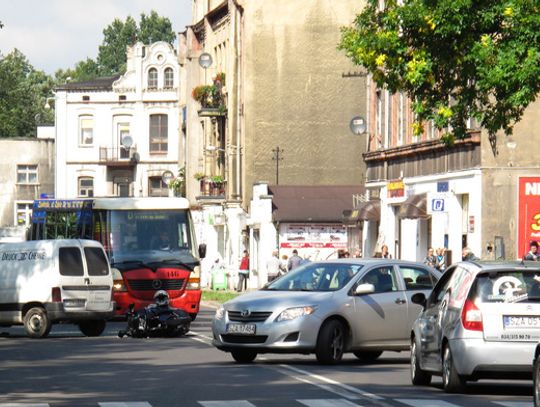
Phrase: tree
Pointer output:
(118, 35)
(455, 59)
(23, 93)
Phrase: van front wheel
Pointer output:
(92, 328)
(37, 323)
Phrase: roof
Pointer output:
(104, 83)
(301, 203)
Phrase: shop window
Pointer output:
(23, 213)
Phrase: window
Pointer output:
(123, 131)
(87, 130)
(70, 261)
(169, 78)
(86, 187)
(152, 78)
(96, 262)
(158, 133)
(27, 174)
(382, 278)
(156, 187)
(417, 278)
(23, 213)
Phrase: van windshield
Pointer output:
(508, 287)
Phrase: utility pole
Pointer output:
(277, 158)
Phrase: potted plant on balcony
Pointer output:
(178, 183)
(199, 176)
(211, 97)
(216, 185)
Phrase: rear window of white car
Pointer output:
(96, 261)
(71, 261)
(508, 287)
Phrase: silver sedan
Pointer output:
(327, 308)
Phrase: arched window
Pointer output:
(152, 78)
(169, 78)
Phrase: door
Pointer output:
(99, 280)
(74, 282)
(417, 279)
(380, 318)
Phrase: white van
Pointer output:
(48, 281)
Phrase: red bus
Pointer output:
(150, 243)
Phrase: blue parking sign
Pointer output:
(437, 205)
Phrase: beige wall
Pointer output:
(295, 96)
(516, 156)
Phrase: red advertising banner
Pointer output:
(528, 213)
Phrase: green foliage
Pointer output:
(154, 28)
(23, 94)
(177, 185)
(211, 95)
(219, 296)
(456, 59)
(112, 52)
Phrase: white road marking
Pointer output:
(23, 405)
(426, 403)
(327, 403)
(126, 404)
(200, 338)
(226, 403)
(514, 403)
(346, 387)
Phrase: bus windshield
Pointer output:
(145, 235)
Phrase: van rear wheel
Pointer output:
(37, 323)
(92, 328)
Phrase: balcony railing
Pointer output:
(212, 189)
(118, 156)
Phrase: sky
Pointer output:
(56, 34)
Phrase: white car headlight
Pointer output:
(220, 312)
(293, 313)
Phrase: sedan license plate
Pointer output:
(521, 321)
(242, 329)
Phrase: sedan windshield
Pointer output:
(316, 277)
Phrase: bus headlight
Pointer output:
(194, 283)
(119, 286)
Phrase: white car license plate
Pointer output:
(243, 329)
(521, 321)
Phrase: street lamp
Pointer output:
(205, 62)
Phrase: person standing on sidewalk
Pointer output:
(294, 260)
(243, 272)
(272, 266)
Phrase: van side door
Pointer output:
(73, 279)
(99, 279)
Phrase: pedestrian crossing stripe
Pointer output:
(426, 403)
(327, 403)
(514, 403)
(226, 403)
(126, 404)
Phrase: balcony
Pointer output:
(118, 156)
(210, 189)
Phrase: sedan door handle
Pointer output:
(400, 301)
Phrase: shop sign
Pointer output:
(528, 213)
(395, 189)
(319, 236)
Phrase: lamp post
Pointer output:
(277, 152)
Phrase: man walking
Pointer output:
(272, 266)
(243, 272)
(294, 261)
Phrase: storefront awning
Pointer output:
(415, 207)
(370, 211)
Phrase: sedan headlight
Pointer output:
(220, 312)
(293, 313)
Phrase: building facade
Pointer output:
(426, 194)
(287, 96)
(118, 136)
(27, 169)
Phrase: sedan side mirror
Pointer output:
(363, 289)
(420, 299)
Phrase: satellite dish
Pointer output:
(127, 141)
(167, 177)
(358, 125)
(205, 60)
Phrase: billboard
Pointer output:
(528, 213)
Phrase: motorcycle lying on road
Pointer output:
(156, 320)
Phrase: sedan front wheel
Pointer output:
(536, 379)
(331, 343)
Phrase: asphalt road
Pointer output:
(68, 369)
